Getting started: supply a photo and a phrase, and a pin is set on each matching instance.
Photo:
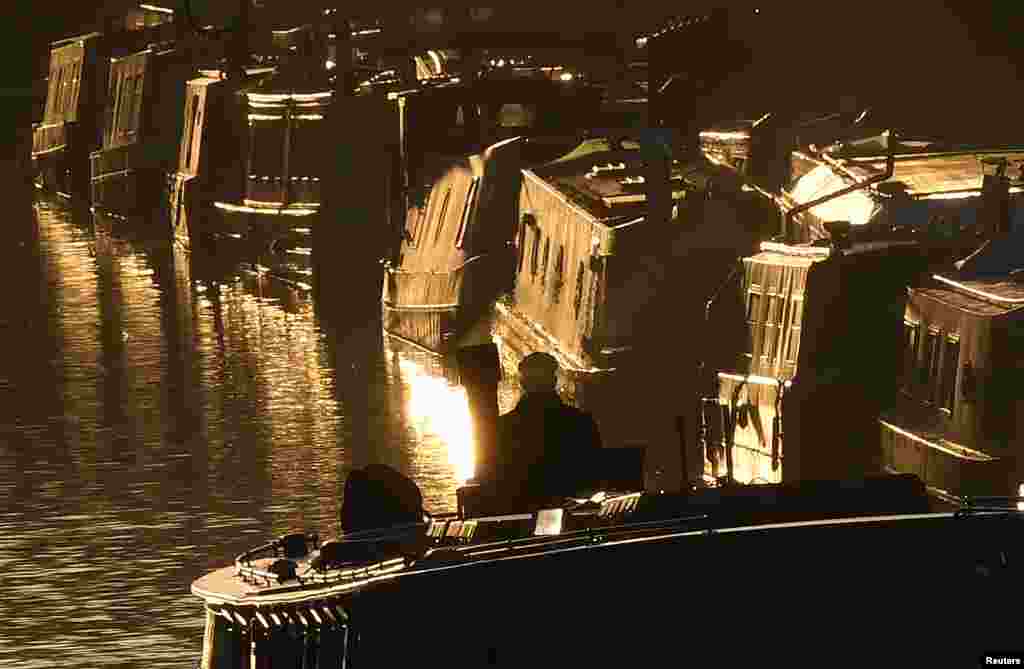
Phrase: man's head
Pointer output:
(538, 373)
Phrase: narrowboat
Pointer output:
(141, 130)
(70, 129)
(824, 305)
(454, 258)
(956, 421)
(72, 124)
(282, 149)
(533, 587)
(213, 138)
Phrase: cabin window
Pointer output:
(930, 362)
(754, 319)
(266, 152)
(59, 106)
(190, 132)
(578, 298)
(443, 214)
(521, 244)
(771, 326)
(556, 287)
(124, 124)
(72, 92)
(306, 146)
(116, 111)
(136, 119)
(950, 365)
(544, 262)
(753, 306)
(793, 343)
(414, 231)
(467, 213)
(911, 334)
(535, 253)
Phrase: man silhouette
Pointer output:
(546, 449)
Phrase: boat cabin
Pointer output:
(454, 260)
(593, 254)
(141, 132)
(213, 146)
(285, 150)
(71, 126)
(821, 333)
(957, 422)
(929, 188)
(146, 16)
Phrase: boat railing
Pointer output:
(287, 549)
(975, 505)
(49, 137)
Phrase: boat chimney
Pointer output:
(238, 57)
(839, 231)
(479, 373)
(656, 153)
(994, 213)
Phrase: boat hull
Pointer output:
(677, 595)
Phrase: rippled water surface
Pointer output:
(160, 413)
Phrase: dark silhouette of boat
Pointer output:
(498, 579)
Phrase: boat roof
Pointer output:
(66, 41)
(805, 255)
(226, 587)
(987, 298)
(607, 181)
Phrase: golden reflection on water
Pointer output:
(166, 413)
(438, 412)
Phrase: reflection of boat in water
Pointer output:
(494, 579)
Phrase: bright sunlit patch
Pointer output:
(857, 207)
(440, 409)
(566, 76)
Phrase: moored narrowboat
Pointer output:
(956, 422)
(455, 256)
(454, 259)
(71, 126)
(824, 311)
(284, 157)
(213, 141)
(142, 129)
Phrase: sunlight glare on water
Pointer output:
(161, 414)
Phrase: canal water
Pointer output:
(161, 412)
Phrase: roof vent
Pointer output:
(839, 231)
